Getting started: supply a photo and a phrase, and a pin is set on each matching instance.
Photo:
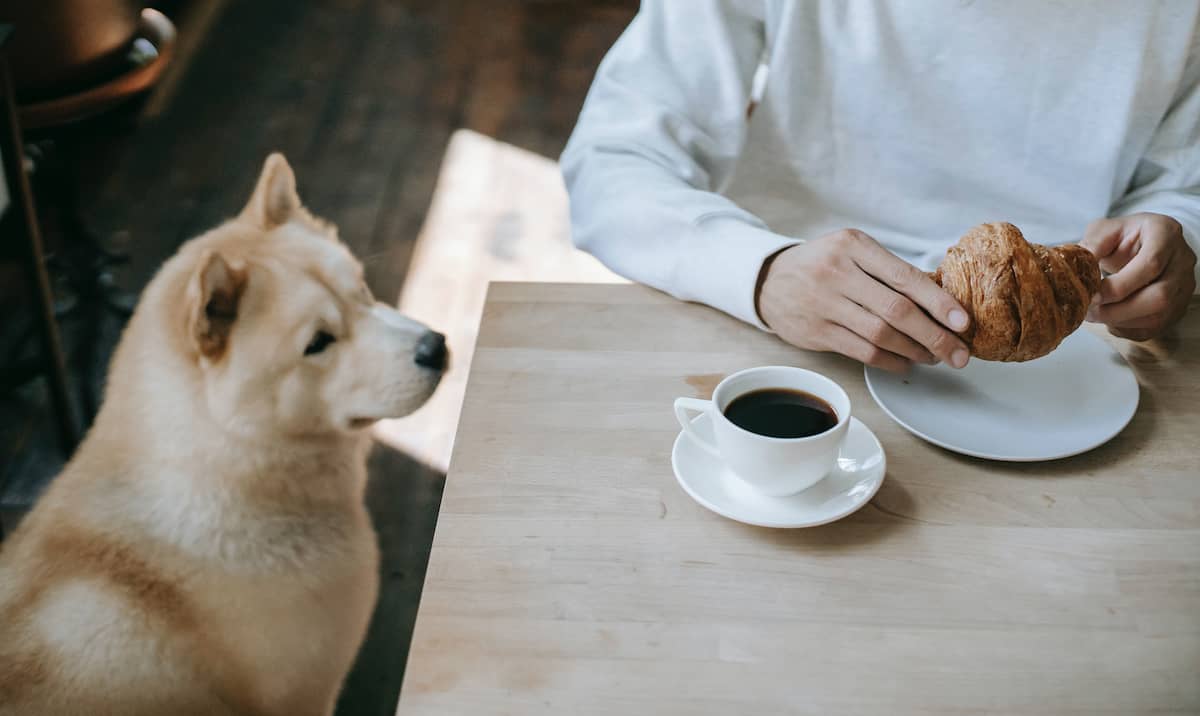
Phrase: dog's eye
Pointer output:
(319, 342)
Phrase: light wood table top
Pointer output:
(571, 575)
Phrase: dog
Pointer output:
(206, 550)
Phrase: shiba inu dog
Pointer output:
(206, 550)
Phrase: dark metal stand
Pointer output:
(53, 146)
(22, 205)
(81, 264)
(58, 133)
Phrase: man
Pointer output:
(880, 131)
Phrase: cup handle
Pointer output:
(684, 407)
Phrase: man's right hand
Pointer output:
(846, 293)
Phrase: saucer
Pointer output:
(852, 483)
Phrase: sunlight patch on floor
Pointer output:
(499, 213)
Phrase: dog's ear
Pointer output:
(217, 291)
(274, 201)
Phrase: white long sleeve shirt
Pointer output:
(911, 120)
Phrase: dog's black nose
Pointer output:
(431, 350)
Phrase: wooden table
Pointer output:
(571, 575)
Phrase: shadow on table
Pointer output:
(889, 511)
(403, 497)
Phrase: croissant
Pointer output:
(1023, 298)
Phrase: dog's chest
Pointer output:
(293, 636)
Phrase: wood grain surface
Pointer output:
(571, 575)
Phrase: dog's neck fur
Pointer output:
(174, 446)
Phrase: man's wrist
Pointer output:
(762, 280)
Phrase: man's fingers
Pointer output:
(912, 282)
(1145, 323)
(1151, 260)
(850, 344)
(1152, 300)
(1103, 236)
(1133, 334)
(879, 332)
(906, 317)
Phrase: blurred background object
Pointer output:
(89, 85)
(76, 71)
(62, 45)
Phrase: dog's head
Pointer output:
(283, 330)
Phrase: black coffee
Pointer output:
(781, 413)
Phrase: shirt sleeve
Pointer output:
(1167, 179)
(658, 136)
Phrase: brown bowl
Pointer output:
(66, 43)
(139, 73)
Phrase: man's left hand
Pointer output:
(1151, 271)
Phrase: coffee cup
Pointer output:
(783, 458)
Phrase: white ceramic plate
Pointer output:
(1077, 398)
(852, 484)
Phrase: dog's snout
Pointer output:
(431, 351)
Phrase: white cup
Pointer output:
(773, 466)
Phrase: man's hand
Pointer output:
(1151, 269)
(845, 293)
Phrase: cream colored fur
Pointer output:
(206, 550)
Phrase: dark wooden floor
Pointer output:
(362, 96)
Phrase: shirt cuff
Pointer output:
(721, 266)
